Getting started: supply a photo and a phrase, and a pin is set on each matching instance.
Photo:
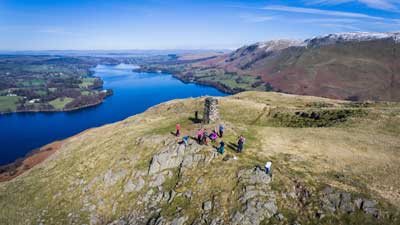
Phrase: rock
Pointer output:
(368, 207)
(251, 194)
(179, 220)
(279, 217)
(192, 160)
(345, 203)
(147, 196)
(255, 212)
(320, 214)
(200, 180)
(217, 221)
(130, 186)
(254, 176)
(358, 203)
(167, 159)
(188, 194)
(172, 195)
(207, 205)
(302, 193)
(140, 184)
(111, 178)
(341, 201)
(158, 180)
(228, 158)
(94, 219)
(259, 200)
(166, 196)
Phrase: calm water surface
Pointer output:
(133, 94)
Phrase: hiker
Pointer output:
(199, 136)
(268, 167)
(204, 137)
(178, 130)
(240, 143)
(213, 136)
(221, 130)
(221, 148)
(196, 116)
(185, 140)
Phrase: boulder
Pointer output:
(368, 207)
(207, 205)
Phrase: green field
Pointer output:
(86, 82)
(47, 80)
(60, 103)
(8, 103)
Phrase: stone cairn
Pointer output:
(211, 113)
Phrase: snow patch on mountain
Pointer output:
(351, 36)
(276, 45)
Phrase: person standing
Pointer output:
(241, 143)
(221, 148)
(185, 140)
(205, 135)
(199, 136)
(213, 136)
(221, 130)
(196, 116)
(178, 130)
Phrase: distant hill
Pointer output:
(355, 66)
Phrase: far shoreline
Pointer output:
(59, 110)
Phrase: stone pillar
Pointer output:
(211, 113)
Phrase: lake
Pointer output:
(133, 93)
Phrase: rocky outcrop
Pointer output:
(170, 158)
(342, 202)
(257, 197)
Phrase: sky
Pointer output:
(182, 24)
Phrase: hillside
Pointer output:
(333, 162)
(352, 66)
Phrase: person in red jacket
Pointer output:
(178, 130)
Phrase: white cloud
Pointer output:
(313, 11)
(252, 18)
(376, 4)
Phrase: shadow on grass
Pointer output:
(194, 120)
(232, 146)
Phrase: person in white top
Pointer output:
(268, 167)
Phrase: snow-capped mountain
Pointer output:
(351, 37)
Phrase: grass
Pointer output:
(86, 82)
(359, 155)
(60, 103)
(8, 103)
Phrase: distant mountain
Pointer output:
(356, 66)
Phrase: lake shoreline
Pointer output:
(42, 128)
(32, 158)
(220, 87)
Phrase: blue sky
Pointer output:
(180, 24)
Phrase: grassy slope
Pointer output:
(60, 103)
(361, 156)
(8, 103)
